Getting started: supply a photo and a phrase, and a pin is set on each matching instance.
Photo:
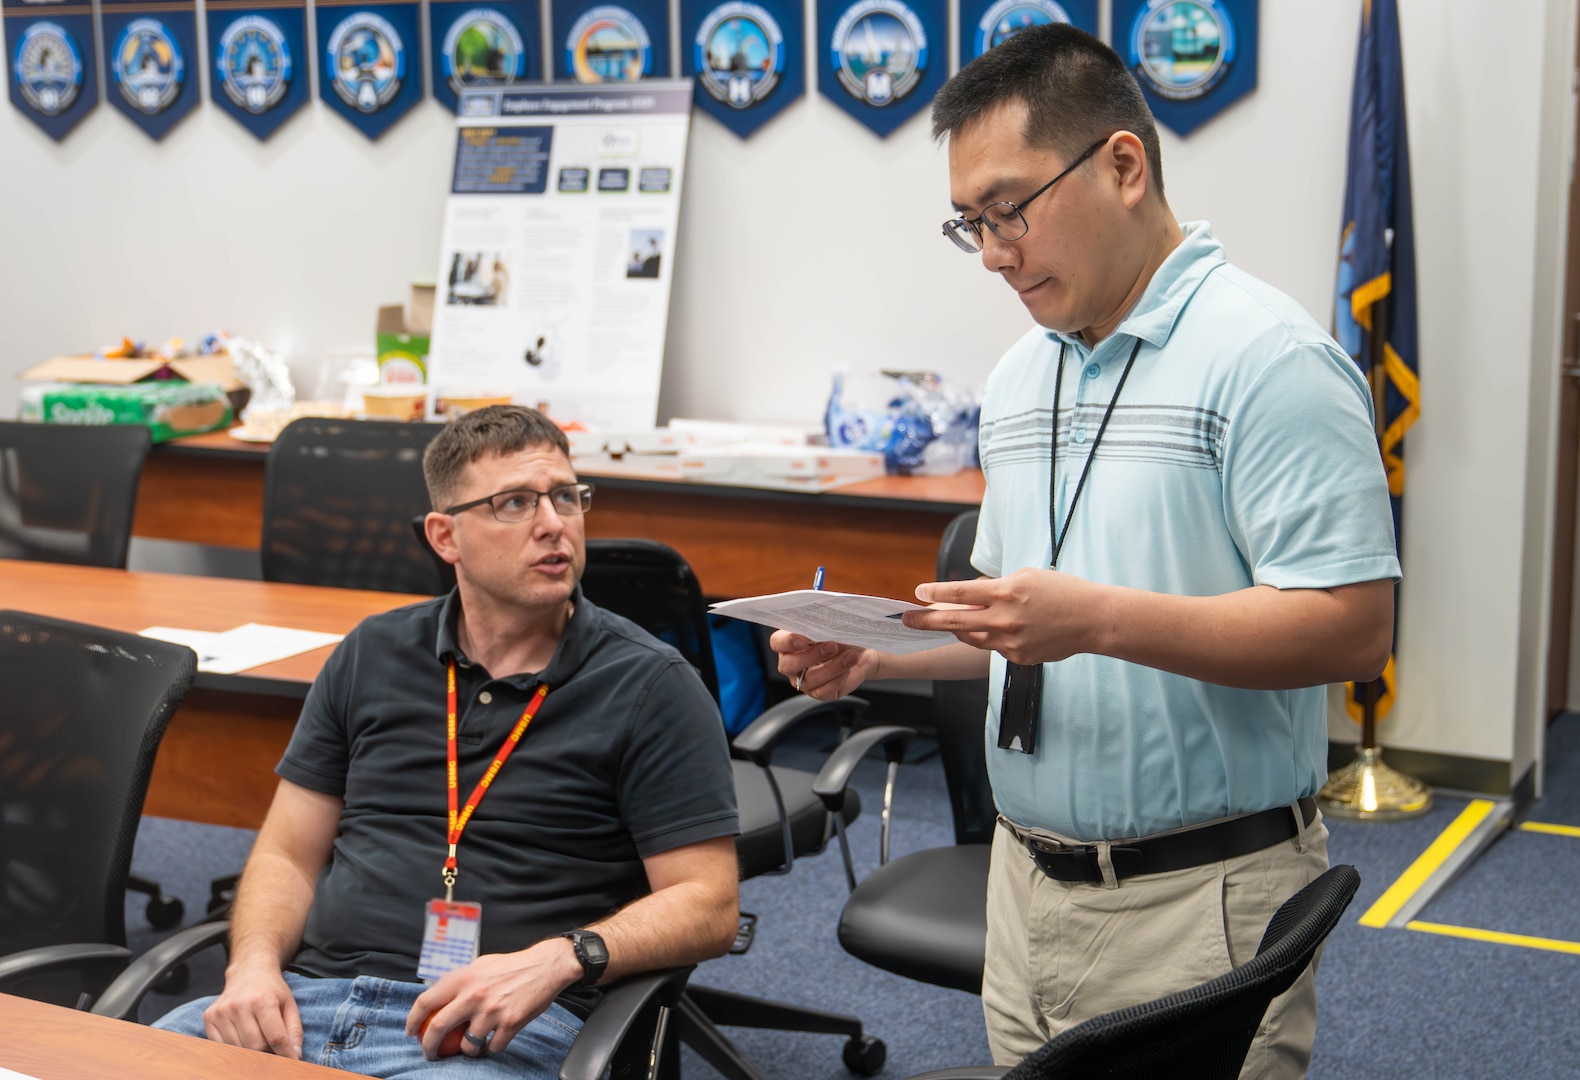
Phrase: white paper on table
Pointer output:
(870, 622)
(7, 1074)
(243, 647)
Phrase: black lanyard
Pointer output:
(1020, 704)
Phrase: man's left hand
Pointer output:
(1030, 616)
(499, 993)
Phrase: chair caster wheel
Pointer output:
(865, 1055)
(174, 981)
(164, 912)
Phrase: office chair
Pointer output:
(67, 495)
(338, 495)
(1202, 1033)
(781, 819)
(82, 711)
(67, 492)
(924, 915)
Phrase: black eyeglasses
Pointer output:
(513, 506)
(1005, 218)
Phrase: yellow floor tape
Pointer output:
(1409, 882)
(1552, 830)
(1496, 937)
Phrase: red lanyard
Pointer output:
(458, 821)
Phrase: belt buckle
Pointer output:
(1062, 862)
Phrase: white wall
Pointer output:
(816, 245)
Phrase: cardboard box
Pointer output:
(402, 337)
(216, 368)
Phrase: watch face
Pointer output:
(591, 949)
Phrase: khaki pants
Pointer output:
(1059, 953)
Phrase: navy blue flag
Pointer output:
(597, 42)
(1377, 258)
(50, 62)
(882, 61)
(479, 43)
(151, 60)
(260, 73)
(1193, 58)
(748, 58)
(986, 23)
(370, 60)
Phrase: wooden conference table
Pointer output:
(52, 1043)
(216, 763)
(878, 536)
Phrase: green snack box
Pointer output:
(167, 408)
(402, 336)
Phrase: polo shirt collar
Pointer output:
(576, 644)
(1172, 285)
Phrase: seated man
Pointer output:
(601, 848)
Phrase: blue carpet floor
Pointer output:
(1394, 1003)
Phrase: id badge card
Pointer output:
(450, 936)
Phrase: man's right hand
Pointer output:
(822, 669)
(256, 1011)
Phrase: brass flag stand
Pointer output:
(1366, 789)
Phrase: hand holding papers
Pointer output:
(869, 622)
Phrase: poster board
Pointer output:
(559, 246)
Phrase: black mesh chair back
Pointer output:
(82, 711)
(339, 496)
(1203, 1033)
(960, 709)
(67, 492)
(652, 585)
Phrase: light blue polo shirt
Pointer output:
(1241, 453)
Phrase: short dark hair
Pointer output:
(1075, 88)
(493, 429)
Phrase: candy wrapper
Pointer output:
(922, 423)
(264, 373)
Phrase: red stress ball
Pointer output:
(451, 1043)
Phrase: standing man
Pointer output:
(1165, 597)
(598, 837)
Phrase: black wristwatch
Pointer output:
(592, 953)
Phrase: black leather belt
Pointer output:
(1195, 847)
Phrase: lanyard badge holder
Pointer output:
(452, 928)
(1020, 703)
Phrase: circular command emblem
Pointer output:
(483, 48)
(1007, 18)
(739, 53)
(254, 63)
(880, 50)
(367, 61)
(1181, 48)
(48, 66)
(147, 65)
(608, 44)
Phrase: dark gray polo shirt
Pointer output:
(626, 758)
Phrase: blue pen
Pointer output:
(817, 579)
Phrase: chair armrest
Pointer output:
(834, 776)
(97, 963)
(970, 1072)
(605, 1030)
(125, 994)
(756, 742)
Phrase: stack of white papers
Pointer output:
(869, 622)
(244, 647)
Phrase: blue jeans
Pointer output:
(359, 1025)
